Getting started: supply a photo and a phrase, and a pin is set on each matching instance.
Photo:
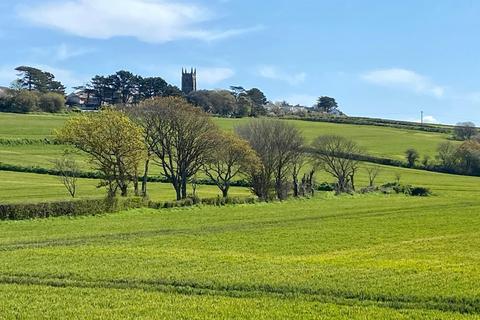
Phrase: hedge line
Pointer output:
(371, 122)
(98, 175)
(85, 207)
(26, 141)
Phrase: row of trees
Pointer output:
(183, 140)
(238, 102)
(124, 87)
(24, 101)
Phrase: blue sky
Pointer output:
(388, 59)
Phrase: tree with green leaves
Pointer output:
(412, 157)
(259, 101)
(33, 79)
(230, 157)
(113, 142)
(326, 104)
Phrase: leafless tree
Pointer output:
(373, 173)
(69, 170)
(464, 130)
(184, 136)
(337, 156)
(278, 144)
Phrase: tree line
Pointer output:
(34, 90)
(183, 140)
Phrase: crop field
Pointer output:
(367, 256)
(377, 141)
(28, 187)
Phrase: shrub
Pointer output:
(52, 102)
(420, 192)
(325, 186)
(24, 101)
(82, 207)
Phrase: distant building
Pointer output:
(189, 81)
(84, 99)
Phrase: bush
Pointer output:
(395, 187)
(82, 207)
(52, 102)
(24, 101)
(325, 186)
(420, 192)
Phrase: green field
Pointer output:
(377, 141)
(359, 257)
(329, 257)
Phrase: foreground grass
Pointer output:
(366, 256)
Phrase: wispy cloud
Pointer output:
(404, 79)
(153, 21)
(208, 76)
(271, 72)
(61, 52)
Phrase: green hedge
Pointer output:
(218, 201)
(21, 211)
(372, 122)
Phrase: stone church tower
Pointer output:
(189, 81)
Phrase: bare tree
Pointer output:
(69, 170)
(373, 173)
(278, 144)
(464, 130)
(184, 137)
(337, 156)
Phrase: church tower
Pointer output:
(189, 80)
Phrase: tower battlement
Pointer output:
(189, 80)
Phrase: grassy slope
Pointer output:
(329, 257)
(377, 141)
(352, 257)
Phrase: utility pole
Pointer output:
(421, 117)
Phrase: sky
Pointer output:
(385, 59)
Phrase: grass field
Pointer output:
(28, 187)
(377, 141)
(330, 257)
(346, 257)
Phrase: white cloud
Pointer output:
(211, 76)
(271, 72)
(154, 21)
(405, 79)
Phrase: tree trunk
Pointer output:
(295, 185)
(145, 178)
(225, 192)
(124, 190)
(184, 188)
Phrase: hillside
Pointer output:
(375, 140)
(328, 257)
